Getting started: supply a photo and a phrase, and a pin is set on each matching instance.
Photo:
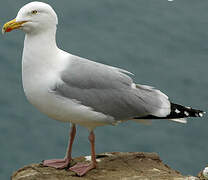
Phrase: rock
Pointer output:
(111, 166)
(203, 175)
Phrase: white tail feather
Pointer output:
(180, 120)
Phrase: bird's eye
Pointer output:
(34, 12)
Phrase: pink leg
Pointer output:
(63, 163)
(82, 168)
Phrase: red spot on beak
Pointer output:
(8, 29)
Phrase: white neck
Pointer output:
(40, 51)
(41, 43)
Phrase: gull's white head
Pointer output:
(34, 17)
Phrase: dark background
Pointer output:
(164, 43)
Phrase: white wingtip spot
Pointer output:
(186, 113)
(200, 114)
(177, 111)
(188, 107)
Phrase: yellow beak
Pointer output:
(11, 25)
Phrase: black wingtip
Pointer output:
(177, 112)
(200, 114)
(180, 111)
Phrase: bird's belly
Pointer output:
(61, 108)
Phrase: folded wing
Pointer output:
(109, 90)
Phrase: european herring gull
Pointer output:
(72, 89)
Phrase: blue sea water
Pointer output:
(165, 44)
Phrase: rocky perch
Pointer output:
(111, 166)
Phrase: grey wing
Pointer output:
(108, 90)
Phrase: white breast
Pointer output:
(39, 77)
